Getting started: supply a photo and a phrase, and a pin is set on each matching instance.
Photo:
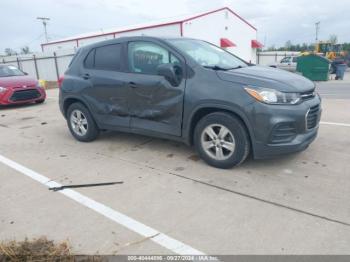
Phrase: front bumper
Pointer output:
(14, 96)
(301, 142)
(282, 129)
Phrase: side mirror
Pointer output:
(172, 73)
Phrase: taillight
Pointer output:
(60, 80)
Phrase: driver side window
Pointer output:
(145, 57)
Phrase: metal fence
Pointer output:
(46, 66)
(50, 66)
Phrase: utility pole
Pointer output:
(317, 29)
(44, 21)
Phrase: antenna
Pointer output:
(44, 21)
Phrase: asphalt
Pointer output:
(294, 204)
(335, 89)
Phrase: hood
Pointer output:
(268, 77)
(17, 81)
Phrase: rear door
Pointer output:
(155, 105)
(105, 70)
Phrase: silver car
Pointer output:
(288, 63)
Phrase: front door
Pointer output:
(155, 104)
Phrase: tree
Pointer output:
(271, 48)
(288, 45)
(333, 39)
(25, 50)
(10, 51)
(304, 47)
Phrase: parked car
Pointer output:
(16, 87)
(288, 63)
(191, 91)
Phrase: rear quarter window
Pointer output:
(74, 58)
(90, 59)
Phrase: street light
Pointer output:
(317, 29)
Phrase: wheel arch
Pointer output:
(71, 100)
(204, 110)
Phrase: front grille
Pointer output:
(312, 117)
(308, 95)
(283, 132)
(24, 95)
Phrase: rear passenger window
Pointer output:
(108, 57)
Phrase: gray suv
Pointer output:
(190, 91)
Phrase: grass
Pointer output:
(38, 250)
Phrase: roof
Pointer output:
(158, 23)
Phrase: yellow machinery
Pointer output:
(329, 50)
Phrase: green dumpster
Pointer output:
(314, 67)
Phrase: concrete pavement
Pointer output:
(296, 204)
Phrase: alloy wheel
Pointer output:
(218, 142)
(79, 122)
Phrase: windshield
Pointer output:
(10, 71)
(208, 55)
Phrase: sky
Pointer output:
(277, 21)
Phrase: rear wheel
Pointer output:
(221, 140)
(81, 123)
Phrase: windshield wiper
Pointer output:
(216, 67)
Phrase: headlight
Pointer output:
(41, 83)
(2, 89)
(272, 96)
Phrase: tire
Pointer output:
(230, 148)
(81, 123)
(40, 101)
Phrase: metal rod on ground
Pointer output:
(84, 185)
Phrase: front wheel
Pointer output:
(221, 140)
(81, 123)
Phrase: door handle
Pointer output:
(133, 84)
(86, 76)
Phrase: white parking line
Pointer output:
(335, 124)
(135, 226)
